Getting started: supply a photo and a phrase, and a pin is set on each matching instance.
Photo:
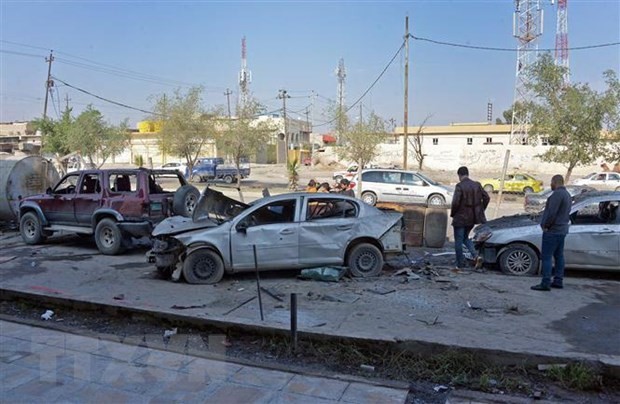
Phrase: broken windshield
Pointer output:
(215, 205)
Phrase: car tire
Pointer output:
(488, 188)
(365, 260)
(203, 266)
(519, 260)
(195, 178)
(31, 229)
(185, 200)
(528, 190)
(370, 198)
(228, 179)
(436, 200)
(109, 237)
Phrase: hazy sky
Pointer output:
(290, 44)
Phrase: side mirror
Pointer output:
(48, 190)
(242, 227)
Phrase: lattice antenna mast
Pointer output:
(341, 75)
(561, 39)
(527, 28)
(245, 77)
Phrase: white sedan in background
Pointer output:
(603, 181)
(175, 165)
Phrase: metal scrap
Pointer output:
(197, 306)
(434, 322)
(239, 305)
(381, 290)
(277, 296)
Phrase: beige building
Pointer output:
(17, 136)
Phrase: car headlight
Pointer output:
(482, 235)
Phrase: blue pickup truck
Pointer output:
(215, 168)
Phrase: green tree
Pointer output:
(507, 114)
(360, 140)
(95, 139)
(55, 134)
(612, 121)
(243, 136)
(186, 125)
(572, 116)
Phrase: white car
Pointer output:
(175, 165)
(388, 185)
(603, 181)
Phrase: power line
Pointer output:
(499, 49)
(369, 88)
(106, 99)
(21, 53)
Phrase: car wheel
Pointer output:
(185, 200)
(436, 200)
(519, 260)
(228, 179)
(109, 237)
(370, 198)
(195, 178)
(365, 260)
(488, 188)
(528, 190)
(338, 178)
(203, 266)
(31, 229)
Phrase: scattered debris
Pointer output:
(443, 253)
(325, 274)
(434, 322)
(381, 290)
(47, 315)
(367, 368)
(4, 259)
(197, 306)
(226, 342)
(170, 333)
(441, 388)
(484, 285)
(277, 296)
(33, 264)
(442, 279)
(492, 310)
(537, 395)
(119, 297)
(450, 286)
(319, 325)
(544, 367)
(513, 310)
(474, 307)
(240, 289)
(410, 275)
(239, 305)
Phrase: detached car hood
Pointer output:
(518, 220)
(212, 209)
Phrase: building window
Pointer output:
(470, 141)
(489, 140)
(544, 141)
(435, 141)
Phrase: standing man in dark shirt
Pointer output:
(468, 205)
(555, 221)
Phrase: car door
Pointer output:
(613, 181)
(594, 236)
(273, 228)
(390, 187)
(415, 189)
(58, 206)
(328, 225)
(88, 198)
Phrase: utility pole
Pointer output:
(227, 94)
(67, 99)
(283, 96)
(49, 83)
(406, 115)
(361, 117)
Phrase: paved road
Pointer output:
(42, 365)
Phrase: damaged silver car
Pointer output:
(593, 241)
(288, 231)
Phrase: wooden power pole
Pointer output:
(49, 83)
(406, 107)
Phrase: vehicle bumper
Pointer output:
(488, 252)
(165, 253)
(136, 229)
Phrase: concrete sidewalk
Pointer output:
(42, 365)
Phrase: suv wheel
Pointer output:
(369, 198)
(185, 200)
(203, 266)
(365, 260)
(228, 179)
(31, 229)
(108, 237)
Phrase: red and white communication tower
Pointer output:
(527, 28)
(561, 38)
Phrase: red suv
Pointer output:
(113, 205)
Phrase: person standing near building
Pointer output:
(468, 205)
(554, 223)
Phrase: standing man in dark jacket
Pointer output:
(554, 222)
(468, 205)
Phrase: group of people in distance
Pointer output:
(343, 187)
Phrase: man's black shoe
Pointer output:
(557, 286)
(540, 287)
